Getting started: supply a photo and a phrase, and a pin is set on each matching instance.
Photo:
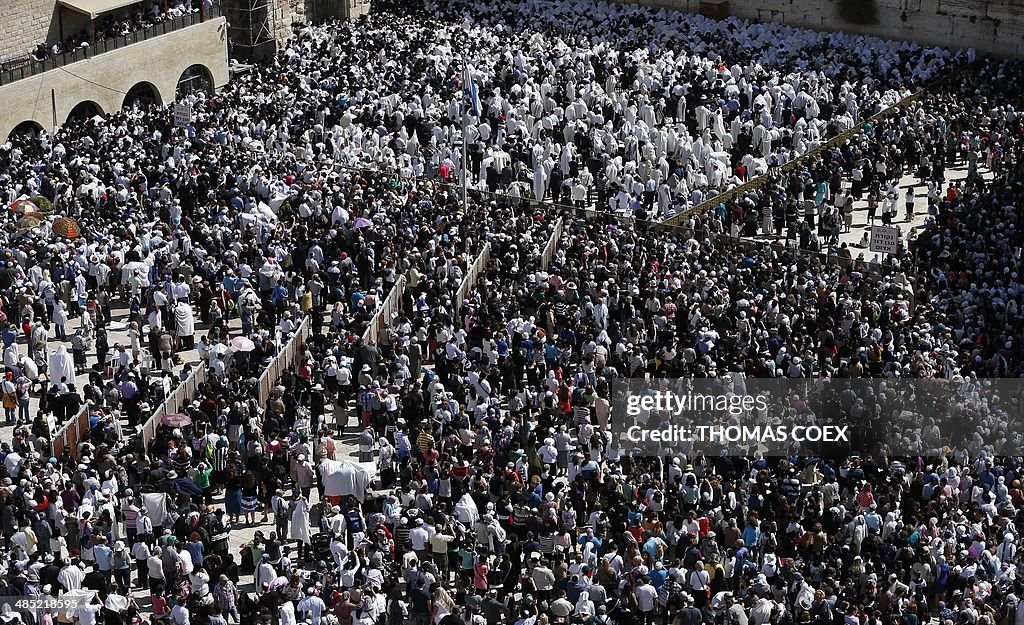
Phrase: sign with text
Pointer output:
(182, 115)
(885, 239)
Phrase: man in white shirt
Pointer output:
(287, 613)
(646, 599)
(419, 536)
(180, 615)
(312, 605)
(86, 614)
(71, 577)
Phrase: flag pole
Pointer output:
(465, 166)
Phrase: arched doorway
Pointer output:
(27, 128)
(141, 95)
(195, 78)
(83, 111)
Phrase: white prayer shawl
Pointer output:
(342, 478)
(466, 511)
(62, 366)
(299, 527)
(156, 507)
(184, 322)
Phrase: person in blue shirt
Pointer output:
(655, 547)
(10, 337)
(104, 556)
(751, 534)
(658, 575)
(589, 537)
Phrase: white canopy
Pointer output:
(93, 8)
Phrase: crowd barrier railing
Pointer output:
(477, 269)
(836, 141)
(285, 358)
(70, 434)
(175, 402)
(391, 305)
(552, 245)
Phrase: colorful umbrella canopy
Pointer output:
(175, 420)
(30, 220)
(67, 227)
(24, 206)
(361, 222)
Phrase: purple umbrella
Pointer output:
(361, 222)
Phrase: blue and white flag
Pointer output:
(470, 85)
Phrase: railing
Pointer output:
(478, 267)
(744, 244)
(23, 67)
(179, 397)
(552, 246)
(284, 359)
(70, 435)
(836, 141)
(392, 304)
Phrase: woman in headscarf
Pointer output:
(584, 606)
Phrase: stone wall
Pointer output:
(25, 24)
(104, 79)
(990, 26)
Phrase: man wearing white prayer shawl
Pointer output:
(299, 527)
(184, 325)
(61, 366)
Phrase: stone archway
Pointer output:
(194, 78)
(141, 94)
(83, 111)
(28, 127)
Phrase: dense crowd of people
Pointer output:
(316, 185)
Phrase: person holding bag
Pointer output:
(700, 585)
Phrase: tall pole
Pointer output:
(465, 165)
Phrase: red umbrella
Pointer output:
(24, 206)
(67, 227)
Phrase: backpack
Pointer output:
(355, 523)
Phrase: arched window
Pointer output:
(195, 78)
(141, 95)
(83, 111)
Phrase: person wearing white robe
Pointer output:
(62, 367)
(299, 527)
(184, 325)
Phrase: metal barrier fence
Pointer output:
(285, 358)
(70, 435)
(552, 246)
(392, 304)
(179, 397)
(20, 68)
(836, 141)
(744, 244)
(478, 267)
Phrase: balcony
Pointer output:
(26, 66)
